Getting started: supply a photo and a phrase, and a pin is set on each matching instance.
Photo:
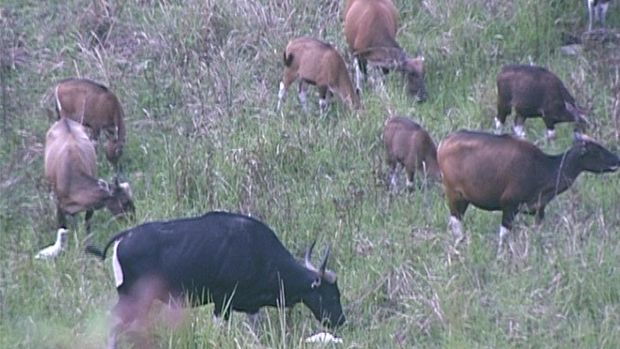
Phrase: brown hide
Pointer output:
(408, 144)
(372, 24)
(318, 63)
(370, 29)
(505, 173)
(71, 169)
(535, 92)
(96, 107)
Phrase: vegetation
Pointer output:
(198, 81)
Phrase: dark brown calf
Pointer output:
(408, 144)
(96, 107)
(535, 92)
(503, 173)
(71, 170)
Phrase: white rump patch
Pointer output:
(550, 134)
(116, 266)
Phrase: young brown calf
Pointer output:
(408, 144)
(317, 63)
(96, 107)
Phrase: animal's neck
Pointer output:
(566, 170)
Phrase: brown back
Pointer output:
(96, 107)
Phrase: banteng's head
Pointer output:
(593, 157)
(414, 70)
(323, 297)
(121, 202)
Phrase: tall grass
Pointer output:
(198, 82)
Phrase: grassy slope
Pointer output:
(199, 84)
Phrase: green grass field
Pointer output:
(198, 81)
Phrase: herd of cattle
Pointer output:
(237, 262)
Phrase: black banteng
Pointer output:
(535, 92)
(503, 173)
(231, 260)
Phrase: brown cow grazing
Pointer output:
(370, 29)
(317, 63)
(535, 92)
(96, 107)
(503, 173)
(408, 144)
(71, 169)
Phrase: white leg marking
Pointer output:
(281, 94)
(323, 104)
(519, 131)
(602, 13)
(503, 235)
(393, 180)
(409, 183)
(498, 126)
(550, 134)
(116, 266)
(456, 226)
(358, 74)
(57, 99)
(302, 96)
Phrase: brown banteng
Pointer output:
(71, 169)
(535, 92)
(597, 9)
(408, 144)
(504, 173)
(370, 29)
(96, 107)
(317, 63)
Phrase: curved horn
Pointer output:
(308, 256)
(324, 262)
(326, 274)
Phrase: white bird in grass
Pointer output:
(52, 251)
(323, 338)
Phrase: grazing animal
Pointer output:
(96, 107)
(54, 250)
(503, 173)
(71, 170)
(535, 92)
(370, 29)
(597, 9)
(317, 63)
(408, 144)
(231, 260)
